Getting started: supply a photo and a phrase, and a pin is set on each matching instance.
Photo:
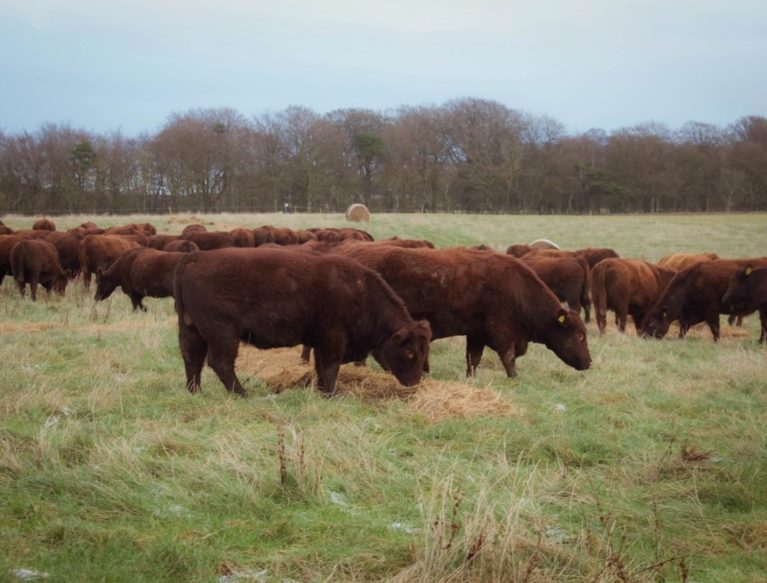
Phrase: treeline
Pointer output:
(469, 155)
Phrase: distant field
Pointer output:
(650, 466)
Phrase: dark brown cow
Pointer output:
(695, 295)
(492, 299)
(263, 235)
(139, 272)
(243, 238)
(160, 241)
(626, 286)
(82, 232)
(746, 292)
(284, 236)
(335, 234)
(568, 276)
(99, 252)
(44, 225)
(207, 240)
(145, 229)
(304, 236)
(285, 297)
(5, 230)
(518, 250)
(68, 247)
(7, 242)
(181, 246)
(595, 255)
(194, 228)
(680, 261)
(36, 262)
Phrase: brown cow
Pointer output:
(160, 241)
(5, 230)
(139, 272)
(36, 262)
(68, 247)
(626, 286)
(304, 236)
(334, 234)
(145, 229)
(7, 243)
(746, 292)
(492, 299)
(518, 250)
(263, 235)
(568, 276)
(243, 238)
(44, 225)
(194, 228)
(207, 240)
(181, 246)
(679, 261)
(99, 252)
(595, 255)
(284, 297)
(695, 295)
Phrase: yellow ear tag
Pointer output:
(561, 319)
(749, 269)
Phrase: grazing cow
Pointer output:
(626, 286)
(139, 272)
(518, 250)
(679, 261)
(335, 234)
(568, 276)
(44, 225)
(243, 238)
(145, 229)
(285, 297)
(160, 241)
(746, 292)
(595, 255)
(194, 228)
(99, 252)
(181, 246)
(68, 247)
(695, 295)
(263, 235)
(492, 299)
(207, 240)
(34, 262)
(7, 243)
(305, 236)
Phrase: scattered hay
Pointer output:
(35, 327)
(358, 213)
(282, 368)
(188, 220)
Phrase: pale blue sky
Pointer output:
(104, 65)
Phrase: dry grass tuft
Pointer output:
(282, 368)
(188, 220)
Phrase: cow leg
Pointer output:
(22, 286)
(306, 352)
(586, 313)
(327, 371)
(193, 351)
(34, 281)
(509, 360)
(601, 319)
(763, 321)
(474, 350)
(222, 352)
(622, 318)
(136, 300)
(712, 320)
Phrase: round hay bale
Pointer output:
(357, 213)
(544, 244)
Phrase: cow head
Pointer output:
(740, 296)
(566, 337)
(405, 352)
(60, 283)
(657, 322)
(106, 283)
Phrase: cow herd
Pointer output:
(343, 295)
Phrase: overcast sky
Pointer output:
(104, 65)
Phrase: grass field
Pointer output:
(650, 466)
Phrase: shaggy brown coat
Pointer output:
(36, 262)
(99, 252)
(746, 292)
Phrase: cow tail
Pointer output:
(586, 291)
(17, 262)
(599, 295)
(82, 256)
(178, 295)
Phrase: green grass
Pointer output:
(650, 464)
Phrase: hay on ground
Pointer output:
(282, 368)
(357, 213)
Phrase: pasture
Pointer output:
(650, 466)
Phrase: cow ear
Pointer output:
(748, 270)
(561, 317)
(425, 327)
